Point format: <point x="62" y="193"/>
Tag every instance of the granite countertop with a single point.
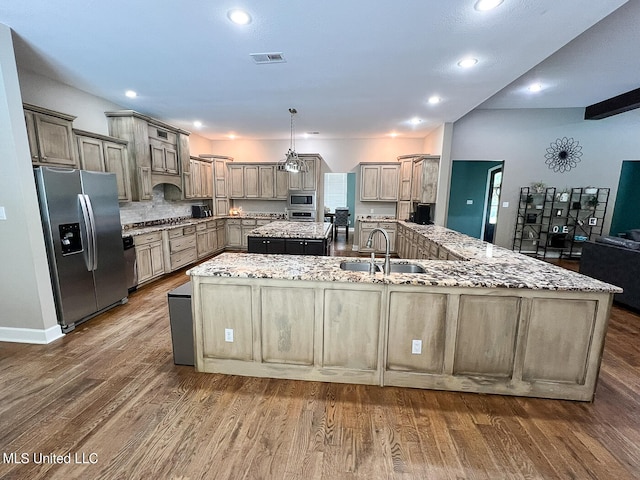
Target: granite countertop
<point x="284" y="229"/>
<point x="484" y="266"/>
<point x="166" y="224"/>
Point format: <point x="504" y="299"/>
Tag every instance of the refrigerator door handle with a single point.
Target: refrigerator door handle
<point x="94" y="235"/>
<point x="87" y="216"/>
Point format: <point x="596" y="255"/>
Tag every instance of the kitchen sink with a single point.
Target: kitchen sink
<point x="406" y="268"/>
<point x="358" y="266"/>
<point x="395" y="267"/>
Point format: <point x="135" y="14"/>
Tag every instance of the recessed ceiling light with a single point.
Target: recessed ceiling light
<point x="467" y="62"/>
<point x="535" y="87"/>
<point x="415" y="121"/>
<point x="231" y="136"/>
<point x="197" y="124"/>
<point x="484" y="5"/>
<point x="239" y="17"/>
<point x="393" y="134"/>
<point x="434" y="99"/>
<point x="131" y="94"/>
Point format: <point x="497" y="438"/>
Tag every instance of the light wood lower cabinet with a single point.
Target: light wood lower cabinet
<point x="510" y="342"/>
<point x="149" y="256"/>
<point x="351" y="329"/>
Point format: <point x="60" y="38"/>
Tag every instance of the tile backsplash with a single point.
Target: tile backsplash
<point x="157" y="209"/>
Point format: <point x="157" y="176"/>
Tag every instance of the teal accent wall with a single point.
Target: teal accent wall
<point x="626" y="214"/>
<point x="468" y="182"/>
<point x="351" y="197"/>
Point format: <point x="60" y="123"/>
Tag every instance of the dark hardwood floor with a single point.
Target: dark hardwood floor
<point x="109" y="393"/>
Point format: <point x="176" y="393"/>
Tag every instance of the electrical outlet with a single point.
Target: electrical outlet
<point x="228" y="334"/>
<point x="416" y="347"/>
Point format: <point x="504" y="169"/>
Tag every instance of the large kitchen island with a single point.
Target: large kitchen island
<point x="491" y="321"/>
<point x="292" y="238"/>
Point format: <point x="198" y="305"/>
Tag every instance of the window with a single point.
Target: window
<point x="335" y="190"/>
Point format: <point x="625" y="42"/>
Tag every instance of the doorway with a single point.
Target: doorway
<point x="491" y="205"/>
<point x="626" y="215"/>
<point x="474" y="197"/>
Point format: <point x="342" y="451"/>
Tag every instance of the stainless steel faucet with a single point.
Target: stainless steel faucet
<point x="386" y="268"/>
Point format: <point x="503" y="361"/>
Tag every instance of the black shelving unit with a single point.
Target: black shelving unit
<point x="554" y="223"/>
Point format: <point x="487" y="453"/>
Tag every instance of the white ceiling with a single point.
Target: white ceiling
<point x="354" y="69"/>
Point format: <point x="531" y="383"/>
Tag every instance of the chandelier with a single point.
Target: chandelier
<point x="292" y="162"/>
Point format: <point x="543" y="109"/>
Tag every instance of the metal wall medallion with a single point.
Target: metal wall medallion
<point x="563" y="154"/>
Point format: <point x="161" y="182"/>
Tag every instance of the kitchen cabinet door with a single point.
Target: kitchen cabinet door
<point x="294" y="246"/>
<point x="369" y="181"/>
<point x="389" y="177"/>
<point x="251" y="182"/>
<point x="116" y="161"/>
<point x="236" y="181"/>
<point x="51" y="138"/>
<point x="91" y="154"/>
<point x="416" y="316"/>
<point x="220" y="174"/>
<point x="347" y="343"/>
<point x="266" y="178"/>
<point x="234" y="235"/>
<point x="282" y="184"/>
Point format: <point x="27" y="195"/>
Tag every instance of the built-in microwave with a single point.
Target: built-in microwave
<point x="301" y="199"/>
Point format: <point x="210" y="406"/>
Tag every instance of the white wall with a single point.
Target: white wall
<point x="521" y="137"/>
<point x="28" y="310"/>
<point x="340" y="155"/>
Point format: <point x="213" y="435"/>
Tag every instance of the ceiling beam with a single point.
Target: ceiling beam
<point x="613" y="106"/>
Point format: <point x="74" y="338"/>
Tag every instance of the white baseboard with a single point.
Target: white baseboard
<point x="30" y="335"/>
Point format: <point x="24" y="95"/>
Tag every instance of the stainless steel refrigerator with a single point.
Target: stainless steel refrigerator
<point x="83" y="235"/>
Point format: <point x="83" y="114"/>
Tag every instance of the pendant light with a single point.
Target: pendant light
<point x="292" y="163"/>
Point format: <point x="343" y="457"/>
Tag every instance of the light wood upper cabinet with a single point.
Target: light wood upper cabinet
<point x="266" y="179"/>
<point x="307" y="181"/>
<point x="99" y="153"/>
<point x="164" y="157"/>
<point x="424" y="181"/>
<point x="406" y="168"/>
<point x="251" y="182"/>
<point x="379" y="182"/>
<point x="282" y="183"/>
<point x="257" y="180"/>
<point x="50" y="137"/>
<point x="158" y="153"/>
<point x="220" y="176"/>
<point x="198" y="181"/>
<point x="236" y="181"/>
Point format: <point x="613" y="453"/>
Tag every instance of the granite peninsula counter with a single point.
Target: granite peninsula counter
<point x="492" y="321"/>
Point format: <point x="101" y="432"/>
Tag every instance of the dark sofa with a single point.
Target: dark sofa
<point x="617" y="261"/>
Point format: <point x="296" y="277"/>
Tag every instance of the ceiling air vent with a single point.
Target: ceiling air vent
<point x="275" y="57"/>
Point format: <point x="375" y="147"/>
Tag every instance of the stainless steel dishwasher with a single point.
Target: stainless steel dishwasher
<point x="131" y="268"/>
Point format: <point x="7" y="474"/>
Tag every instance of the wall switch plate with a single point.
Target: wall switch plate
<point x="228" y="334"/>
<point x="416" y="347"/>
<point x="469" y="202"/>
<point x="3" y="215"/>
<point x="505" y="204"/>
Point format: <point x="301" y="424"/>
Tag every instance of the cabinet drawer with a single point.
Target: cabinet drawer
<point x="181" y="243"/>
<point x="262" y="222"/>
<point x="178" y="232"/>
<point x="442" y="254"/>
<point x="233" y="221"/>
<point x="201" y="227"/>
<point x="387" y="225"/>
<point x="212" y="225"/>
<point x="185" y="257"/>
<point x="147" y="238"/>
<point x="248" y="222"/>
